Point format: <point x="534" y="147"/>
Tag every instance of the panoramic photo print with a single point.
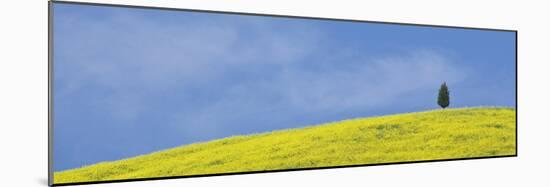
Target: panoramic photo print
<point x="141" y="93"/>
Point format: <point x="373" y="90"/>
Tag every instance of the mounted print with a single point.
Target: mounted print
<point x="140" y="93"/>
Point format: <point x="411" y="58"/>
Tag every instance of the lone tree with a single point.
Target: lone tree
<point x="443" y="98"/>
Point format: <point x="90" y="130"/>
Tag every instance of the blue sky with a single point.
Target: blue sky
<point x="132" y="81"/>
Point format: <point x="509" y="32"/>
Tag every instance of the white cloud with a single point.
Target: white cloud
<point x="372" y="83"/>
<point x="140" y="59"/>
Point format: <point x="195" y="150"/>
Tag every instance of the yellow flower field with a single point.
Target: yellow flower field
<point x="429" y="135"/>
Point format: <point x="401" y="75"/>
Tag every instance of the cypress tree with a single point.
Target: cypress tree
<point x="443" y="97"/>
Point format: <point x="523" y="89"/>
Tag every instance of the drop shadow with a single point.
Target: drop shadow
<point x="42" y="181"/>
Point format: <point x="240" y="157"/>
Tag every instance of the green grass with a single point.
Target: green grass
<point x="430" y="135"/>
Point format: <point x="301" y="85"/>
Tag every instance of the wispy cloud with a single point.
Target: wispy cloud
<point x="133" y="58"/>
<point x="254" y="64"/>
<point x="371" y="83"/>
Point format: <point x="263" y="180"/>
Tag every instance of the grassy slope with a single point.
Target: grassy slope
<point x="438" y="134"/>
